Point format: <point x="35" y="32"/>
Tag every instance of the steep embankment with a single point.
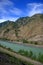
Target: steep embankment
<point x="14" y="58"/>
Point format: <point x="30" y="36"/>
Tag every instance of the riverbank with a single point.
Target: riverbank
<point x="16" y="47"/>
<point x="22" y="58"/>
<point x="27" y="44"/>
<point x="6" y="59"/>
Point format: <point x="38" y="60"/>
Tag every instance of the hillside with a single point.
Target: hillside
<point x="25" y="28"/>
<point x="6" y="59"/>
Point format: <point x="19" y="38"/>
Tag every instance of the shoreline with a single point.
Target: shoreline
<point x="26" y="44"/>
<point x="22" y="58"/>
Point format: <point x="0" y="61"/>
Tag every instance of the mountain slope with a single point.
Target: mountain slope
<point x="28" y="28"/>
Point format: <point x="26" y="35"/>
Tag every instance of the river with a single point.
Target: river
<point x="16" y="47"/>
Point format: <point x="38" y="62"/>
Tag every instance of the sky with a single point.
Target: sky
<point x="13" y="9"/>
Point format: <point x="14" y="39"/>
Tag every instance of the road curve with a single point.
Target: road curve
<point x="23" y="58"/>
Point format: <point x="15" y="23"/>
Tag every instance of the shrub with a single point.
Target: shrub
<point x="34" y="57"/>
<point x="25" y="41"/>
<point x="31" y="42"/>
<point x="35" y="42"/>
<point x="30" y="54"/>
<point x="40" y="57"/>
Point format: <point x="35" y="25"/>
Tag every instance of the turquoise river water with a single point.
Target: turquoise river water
<point x="16" y="47"/>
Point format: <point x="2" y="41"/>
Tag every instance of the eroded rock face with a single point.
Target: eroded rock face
<point x="29" y="28"/>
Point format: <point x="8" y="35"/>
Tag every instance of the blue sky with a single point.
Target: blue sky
<point x="13" y="9"/>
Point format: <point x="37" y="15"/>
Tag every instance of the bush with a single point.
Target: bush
<point x="6" y="31"/>
<point x="31" y="42"/>
<point x="35" y="42"/>
<point x="25" y="41"/>
<point x="26" y="53"/>
<point x="34" y="57"/>
<point x="30" y="54"/>
<point x="40" y="57"/>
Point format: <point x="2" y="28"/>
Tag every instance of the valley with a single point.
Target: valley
<point x="24" y="29"/>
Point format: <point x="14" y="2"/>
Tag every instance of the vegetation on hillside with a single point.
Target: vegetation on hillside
<point x="30" y="54"/>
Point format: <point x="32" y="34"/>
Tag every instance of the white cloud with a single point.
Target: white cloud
<point x="34" y="8"/>
<point x="3" y="5"/>
<point x="7" y="9"/>
<point x="11" y="19"/>
<point x="5" y="2"/>
<point x="16" y="11"/>
<point x="10" y="8"/>
<point x="12" y="12"/>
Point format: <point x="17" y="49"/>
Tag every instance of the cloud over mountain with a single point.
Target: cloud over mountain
<point x="34" y="8"/>
<point x="9" y="9"/>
